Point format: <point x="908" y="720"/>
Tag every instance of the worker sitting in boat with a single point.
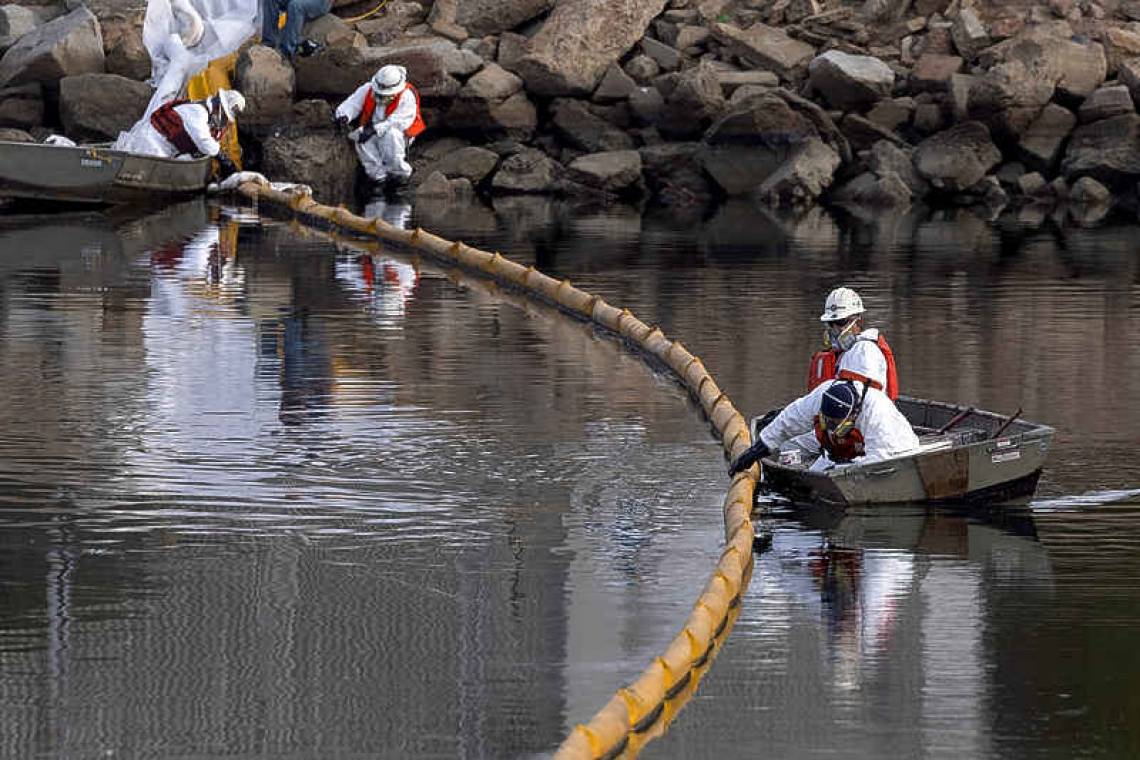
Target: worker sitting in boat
<point x="387" y="111"/>
<point x="850" y="350"/>
<point x="193" y="128"/>
<point x="842" y="421"/>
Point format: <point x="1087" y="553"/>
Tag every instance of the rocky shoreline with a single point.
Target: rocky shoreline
<point x="879" y="104"/>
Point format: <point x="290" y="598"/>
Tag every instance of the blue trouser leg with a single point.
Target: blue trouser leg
<point x="300" y="11"/>
<point x="270" y="10"/>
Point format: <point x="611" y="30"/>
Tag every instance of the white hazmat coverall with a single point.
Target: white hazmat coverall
<point x="385" y="154"/>
<point x="865" y="358"/>
<point x="196" y="122"/>
<point x="886" y="432"/>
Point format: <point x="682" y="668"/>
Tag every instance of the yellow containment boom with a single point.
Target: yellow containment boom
<point x="207" y="82"/>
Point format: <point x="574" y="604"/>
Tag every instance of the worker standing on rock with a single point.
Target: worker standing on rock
<point x="387" y="112"/>
<point x="193" y="128"/>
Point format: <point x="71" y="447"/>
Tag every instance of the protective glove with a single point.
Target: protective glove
<point x="226" y="165"/>
<point x="754" y="453"/>
<point x="366" y="133"/>
<point x="340" y="124"/>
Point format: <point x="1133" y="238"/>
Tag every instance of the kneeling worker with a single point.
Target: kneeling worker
<point x="387" y="110"/>
<point x="193" y="128"/>
<point x="844" y="421"/>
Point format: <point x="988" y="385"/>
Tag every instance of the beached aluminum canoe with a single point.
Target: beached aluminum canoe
<point x="985" y="458"/>
<point x="95" y="174"/>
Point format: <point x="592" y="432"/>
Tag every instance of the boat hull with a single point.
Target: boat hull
<point x="969" y="465"/>
<point x="94" y="174"/>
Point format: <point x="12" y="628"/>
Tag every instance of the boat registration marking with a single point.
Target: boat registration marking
<point x="1007" y="456"/>
<point x="91" y="163"/>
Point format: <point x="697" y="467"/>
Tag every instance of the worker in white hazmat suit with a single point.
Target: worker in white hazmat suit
<point x="192" y="128"/>
<point x="851" y="422"/>
<point x="387" y="112"/>
<point x="851" y="350"/>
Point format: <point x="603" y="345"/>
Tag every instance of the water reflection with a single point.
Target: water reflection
<point x="266" y="489"/>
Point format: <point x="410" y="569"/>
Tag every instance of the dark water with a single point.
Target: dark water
<point x="264" y="492"/>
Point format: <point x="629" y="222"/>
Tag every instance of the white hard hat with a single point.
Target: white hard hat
<point x="389" y="80"/>
<point x="841" y="303"/>
<point x="233" y="103"/>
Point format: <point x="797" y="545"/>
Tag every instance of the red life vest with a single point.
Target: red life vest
<point x="370" y="107"/>
<point x="823" y="365"/>
<point x="169" y="124"/>
<point x="840" y="451"/>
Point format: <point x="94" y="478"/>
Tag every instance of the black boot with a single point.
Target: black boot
<point x="309" y="47"/>
<point x="397" y="185"/>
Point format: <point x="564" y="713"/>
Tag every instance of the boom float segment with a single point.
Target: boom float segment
<point x="643" y="709"/>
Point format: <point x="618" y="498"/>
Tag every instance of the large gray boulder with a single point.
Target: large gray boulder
<point x="1054" y="55"/>
<point x="338" y="71"/>
<point x="577" y="126"/>
<point x="268" y="82"/>
<point x="317" y="158"/>
<point x="97" y="107"/>
<point x="528" y="171"/>
<point x="579" y="41"/>
<point x="493" y="101"/>
<point x="958" y="158"/>
<point x="696" y="99"/>
<point x="22" y="106"/>
<point x="123" y="47"/>
<point x="807" y="171"/>
<point x="1107" y="150"/>
<point x="15" y="22"/>
<point x="1009" y="97"/>
<point x="66" y="46"/>
<point x="1039" y="148"/>
<point x="483" y="17"/>
<point x="850" y="82"/>
<point x="614" y="172"/>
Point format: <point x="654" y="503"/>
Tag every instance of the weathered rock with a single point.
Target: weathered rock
<point x="67" y="46"/>
<point x="267" y="81"/>
<point x="767" y="48"/>
<point x="968" y="34"/>
<point x="319" y="159"/>
<point x="668" y="58"/>
<point x="435" y="186"/>
<point x="1119" y="45"/>
<point x="928" y="118"/>
<point x="850" y="82"/>
<point x="527" y="171"/>
<point x="862" y="133"/>
<point x="22" y="107"/>
<point x="1039" y="147"/>
<point x="932" y="72"/>
<point x="1105" y="103"/>
<point x="807" y="171"/>
<point x="731" y="81"/>
<point x="886" y="157"/>
<point x="892" y="114"/>
<point x="15" y="22"/>
<point x="958" y="95"/>
<point x="692" y="105"/>
<point x="1032" y="184"/>
<point x="11" y="134"/>
<point x="339" y="71"/>
<point x="472" y="162"/>
<point x="1106" y="150"/>
<point x="1087" y="191"/>
<point x="873" y="191"/>
<point x="1051" y="54"/>
<point x="579" y="41"/>
<point x="674" y="173"/>
<point x="579" y="127"/>
<point x="956" y="159"/>
<point x="690" y="37"/>
<point x="383" y="29"/>
<point x="615" y="172"/>
<point x="616" y="85"/>
<point x="483" y="17"/>
<point x="642" y="68"/>
<point x="512" y="47"/>
<point x="1009" y="97"/>
<point x="646" y="105"/>
<point x="96" y="107"/>
<point x="1128" y="72"/>
<point x="123" y="48"/>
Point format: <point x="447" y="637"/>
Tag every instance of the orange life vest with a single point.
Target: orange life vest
<point x="169" y="124"/>
<point x="370" y="107"/>
<point x="823" y="365"/>
<point x="840" y="451"/>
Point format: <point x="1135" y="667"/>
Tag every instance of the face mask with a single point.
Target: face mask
<point x="841" y="337"/>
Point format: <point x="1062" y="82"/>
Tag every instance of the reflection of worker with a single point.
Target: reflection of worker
<point x="192" y="128"/>
<point x="850" y="351"/>
<point x="395" y="214"/>
<point x="852" y="422"/>
<point x="387" y="110"/>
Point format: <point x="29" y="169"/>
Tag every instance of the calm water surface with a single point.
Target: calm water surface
<point x="266" y="492"/>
